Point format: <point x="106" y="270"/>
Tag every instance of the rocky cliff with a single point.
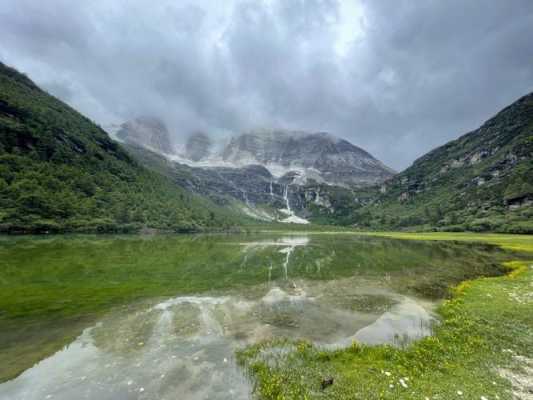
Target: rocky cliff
<point x="286" y="175"/>
<point x="148" y="132"/>
<point x="320" y="157"/>
<point x="198" y="147"/>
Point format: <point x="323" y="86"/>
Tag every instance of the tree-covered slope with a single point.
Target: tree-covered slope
<point x="61" y="172"/>
<point x="482" y="181"/>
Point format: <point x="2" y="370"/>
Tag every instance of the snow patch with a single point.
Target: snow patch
<point x="257" y="213"/>
<point x="294" y="219"/>
<point x="303" y="174"/>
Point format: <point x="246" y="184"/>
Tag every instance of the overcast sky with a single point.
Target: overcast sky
<point x="394" y="77"/>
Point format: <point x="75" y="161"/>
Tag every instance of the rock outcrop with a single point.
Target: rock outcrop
<point x="320" y="157"/>
<point x="147" y="132"/>
<point x="198" y="147"/>
<point x="292" y="174"/>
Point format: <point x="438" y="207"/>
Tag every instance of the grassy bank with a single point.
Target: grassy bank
<point x="521" y="243"/>
<point x="483" y="348"/>
<point x="514" y="242"/>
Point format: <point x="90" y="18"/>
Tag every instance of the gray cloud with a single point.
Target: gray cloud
<point x="397" y="78"/>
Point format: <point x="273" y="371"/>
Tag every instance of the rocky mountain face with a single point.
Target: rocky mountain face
<point x="255" y="191"/>
<point x="312" y="156"/>
<point x="148" y="132"/>
<point x="275" y="175"/>
<point x="481" y="181"/>
<point x="198" y="147"/>
<point x="304" y="157"/>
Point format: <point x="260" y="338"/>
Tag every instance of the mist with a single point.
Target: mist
<point x="395" y="78"/>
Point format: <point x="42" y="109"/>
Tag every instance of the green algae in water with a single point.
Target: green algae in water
<point x="229" y="291"/>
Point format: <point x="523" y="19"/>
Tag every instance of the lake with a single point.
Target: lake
<point x="160" y="317"/>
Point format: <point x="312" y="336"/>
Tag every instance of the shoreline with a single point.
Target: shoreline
<point x="323" y="362"/>
<point x="472" y="354"/>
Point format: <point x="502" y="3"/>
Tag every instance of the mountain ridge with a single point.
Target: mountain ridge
<point x="147" y="131"/>
<point x="318" y="156"/>
<point x="337" y="161"/>
<point x="475" y="182"/>
<point x="60" y="172"/>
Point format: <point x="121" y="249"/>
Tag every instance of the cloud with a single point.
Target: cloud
<point x="395" y="78"/>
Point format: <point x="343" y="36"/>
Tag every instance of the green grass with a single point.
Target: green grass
<point x="484" y="327"/>
<point x="506" y="241"/>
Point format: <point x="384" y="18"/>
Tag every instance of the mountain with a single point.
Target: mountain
<point x="198" y="147"/>
<point x="61" y="172"/>
<point x="317" y="156"/>
<point x="254" y="191"/>
<point x="272" y="175"/>
<point x="148" y="132"/>
<point x="482" y="181"/>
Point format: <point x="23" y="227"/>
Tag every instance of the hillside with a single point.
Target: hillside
<point x="61" y="172"/>
<point x="483" y="181"/>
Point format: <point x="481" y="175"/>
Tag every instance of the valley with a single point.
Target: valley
<point x="480" y="182"/>
<point x="223" y="222"/>
<point x="62" y="173"/>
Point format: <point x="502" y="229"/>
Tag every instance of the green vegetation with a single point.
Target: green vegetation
<point x="481" y="182"/>
<point x="53" y="286"/>
<point x="60" y="172"/>
<point x="517" y="243"/>
<point x="486" y="335"/>
<point x="344" y="203"/>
